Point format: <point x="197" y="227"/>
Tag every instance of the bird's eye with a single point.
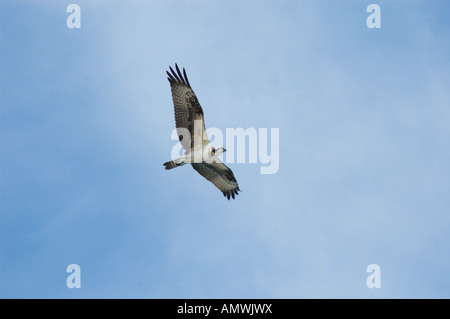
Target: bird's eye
<point x="213" y="151"/>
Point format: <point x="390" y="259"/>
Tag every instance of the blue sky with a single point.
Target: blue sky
<point x="85" y="123"/>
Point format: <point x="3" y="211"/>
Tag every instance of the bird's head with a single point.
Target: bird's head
<point x="217" y="151"/>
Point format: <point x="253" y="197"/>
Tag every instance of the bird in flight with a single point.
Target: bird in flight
<point x="190" y="125"/>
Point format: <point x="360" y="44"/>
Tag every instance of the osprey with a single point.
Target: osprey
<point x="198" y="151"/>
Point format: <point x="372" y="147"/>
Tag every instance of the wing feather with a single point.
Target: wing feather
<point x="187" y="109"/>
<point x="220" y="175"/>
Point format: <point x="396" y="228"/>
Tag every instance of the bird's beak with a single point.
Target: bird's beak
<point x="224" y="150"/>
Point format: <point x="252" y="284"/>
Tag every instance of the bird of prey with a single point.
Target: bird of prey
<point x="190" y="126"/>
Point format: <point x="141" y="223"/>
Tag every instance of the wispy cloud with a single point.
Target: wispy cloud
<point x="86" y="120"/>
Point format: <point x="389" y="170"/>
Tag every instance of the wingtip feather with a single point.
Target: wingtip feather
<point x="177" y="76"/>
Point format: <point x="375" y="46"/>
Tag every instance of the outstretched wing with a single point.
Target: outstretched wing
<point x="220" y="175"/>
<point x="188" y="112"/>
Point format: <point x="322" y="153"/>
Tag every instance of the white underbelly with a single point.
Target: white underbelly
<point x="199" y="156"/>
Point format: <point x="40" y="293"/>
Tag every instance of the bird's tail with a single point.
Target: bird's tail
<point x="171" y="164"/>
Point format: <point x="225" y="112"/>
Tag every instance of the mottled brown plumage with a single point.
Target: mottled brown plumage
<point x="188" y="111"/>
<point x="190" y="126"/>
